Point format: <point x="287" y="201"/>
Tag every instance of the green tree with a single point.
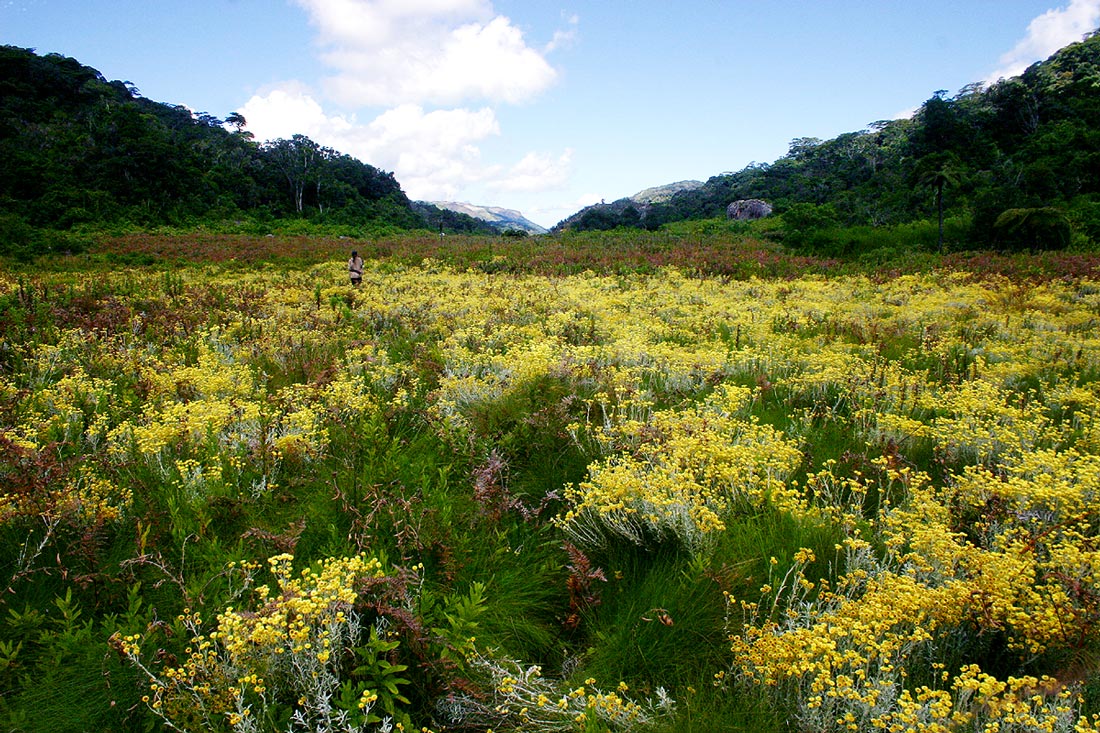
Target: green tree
<point x="237" y="120"/>
<point x="631" y="217"/>
<point x="804" y="223"/>
<point x="299" y="159"/>
<point x="1039" y="229"/>
<point x="937" y="171"/>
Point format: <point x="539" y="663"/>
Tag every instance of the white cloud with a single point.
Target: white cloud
<point x="536" y="172"/>
<point x="433" y="154"/>
<point x="374" y="23"/>
<point x="391" y="52"/>
<point x="565" y="37"/>
<point x="1047" y="33"/>
<point x="288" y="110"/>
<point x="905" y="114"/>
<point x="405" y="55"/>
<point x="587" y="199"/>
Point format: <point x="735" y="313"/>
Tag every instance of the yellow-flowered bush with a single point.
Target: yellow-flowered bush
<point x="524" y="699"/>
<point x="840" y="658"/>
<point x="678" y="475"/>
<point x="963" y="410"/>
<point x="292" y="647"/>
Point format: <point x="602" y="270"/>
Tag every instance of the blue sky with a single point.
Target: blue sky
<point x="546" y="107"/>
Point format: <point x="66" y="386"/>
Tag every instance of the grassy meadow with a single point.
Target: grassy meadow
<point x="643" y="482"/>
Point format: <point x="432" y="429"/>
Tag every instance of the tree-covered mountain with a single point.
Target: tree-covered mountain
<point x="1015" y="163"/>
<point x="629" y="211"/>
<point x="78" y="149"/>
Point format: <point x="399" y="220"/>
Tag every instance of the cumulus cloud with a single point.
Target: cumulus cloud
<point x="289" y="109"/>
<point x="433" y="153"/>
<point x="417" y="145"/>
<point x="536" y="172"/>
<point x="391" y="52"/>
<point x="1047" y="33"/>
<point x="423" y="62"/>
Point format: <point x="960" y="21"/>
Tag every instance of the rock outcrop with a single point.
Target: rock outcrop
<point x="748" y="209"/>
<point x="660" y="194"/>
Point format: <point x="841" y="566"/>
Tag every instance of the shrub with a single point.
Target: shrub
<point x="801" y="219"/>
<point x="15" y="236"/>
<point x="1084" y="214"/>
<point x="1032" y="229"/>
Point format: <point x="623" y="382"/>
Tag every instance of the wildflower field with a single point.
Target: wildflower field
<point x="601" y="495"/>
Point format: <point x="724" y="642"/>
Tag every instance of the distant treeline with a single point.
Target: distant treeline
<point x="1004" y="161"/>
<point x="1013" y="165"/>
<point x="76" y="149"/>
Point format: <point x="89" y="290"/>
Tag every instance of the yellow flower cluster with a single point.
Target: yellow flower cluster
<point x="301" y="612"/>
<point x="289" y="648"/>
<point x="526" y="700"/>
<point x="978" y="701"/>
<point x="214" y="407"/>
<point x="841" y="656"/>
<point x="679" y="474"/>
<point x="989" y="385"/>
<point x="85" y="499"/>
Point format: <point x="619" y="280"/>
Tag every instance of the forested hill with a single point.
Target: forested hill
<point x="1016" y="163"/>
<point x="1022" y="144"/>
<point x="76" y="149"/>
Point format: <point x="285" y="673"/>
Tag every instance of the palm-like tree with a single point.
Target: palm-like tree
<point x="237" y="120"/>
<point x="938" y="171"/>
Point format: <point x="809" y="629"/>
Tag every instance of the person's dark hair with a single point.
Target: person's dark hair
<point x="354" y="253"/>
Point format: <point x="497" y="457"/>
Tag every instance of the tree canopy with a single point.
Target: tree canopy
<point x="76" y="148"/>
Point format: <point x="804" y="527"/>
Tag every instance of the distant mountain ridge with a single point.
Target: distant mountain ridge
<point x="497" y="217"/>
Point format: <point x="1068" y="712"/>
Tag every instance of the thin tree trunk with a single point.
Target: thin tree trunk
<point x="939" y="209"/>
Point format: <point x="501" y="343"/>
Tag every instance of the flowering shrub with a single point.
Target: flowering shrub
<point x="840" y="658"/>
<point x="841" y="655"/>
<point x="677" y="475"/>
<point x="525" y="699"/>
<point x="944" y="426"/>
<point x="291" y="655"/>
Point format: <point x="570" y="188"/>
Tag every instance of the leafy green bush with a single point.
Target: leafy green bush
<point x="1084" y="215"/>
<point x="697" y="227"/>
<point x="21" y="241"/>
<point x="15" y="236"/>
<point x="802" y="219"/>
<point x="873" y="244"/>
<point x="1039" y="229"/>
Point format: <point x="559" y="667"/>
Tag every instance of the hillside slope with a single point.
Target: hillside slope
<point x="78" y="149"/>
<point x="1022" y="144"/>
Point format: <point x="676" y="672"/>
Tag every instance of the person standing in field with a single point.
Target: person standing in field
<point x="355" y="268"/>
